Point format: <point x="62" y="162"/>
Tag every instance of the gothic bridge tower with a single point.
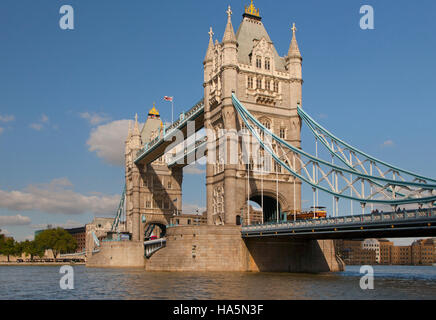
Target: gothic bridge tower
<point x="154" y="191"/>
<point x="269" y="86"/>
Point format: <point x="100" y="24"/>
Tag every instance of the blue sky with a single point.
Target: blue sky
<point x="65" y="94"/>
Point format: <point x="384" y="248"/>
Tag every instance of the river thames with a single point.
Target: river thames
<point x="42" y="282"/>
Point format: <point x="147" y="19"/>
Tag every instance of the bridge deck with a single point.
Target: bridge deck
<point x="411" y="223"/>
<point x="189" y="154"/>
<point x="156" y="148"/>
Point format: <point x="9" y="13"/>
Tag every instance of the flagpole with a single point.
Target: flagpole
<point x="172" y="110"/>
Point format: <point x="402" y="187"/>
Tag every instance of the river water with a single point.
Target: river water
<point x="42" y="282"/>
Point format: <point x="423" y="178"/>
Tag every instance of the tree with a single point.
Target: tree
<point x="2" y="243"/>
<point x="18" y="249"/>
<point x="58" y="240"/>
<point x="8" y="247"/>
<point x="33" y="248"/>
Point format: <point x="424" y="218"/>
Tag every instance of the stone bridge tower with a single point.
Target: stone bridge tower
<point x="154" y="191"/>
<point x="269" y="86"/>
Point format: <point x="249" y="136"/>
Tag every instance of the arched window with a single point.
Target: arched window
<point x="266" y="123"/>
<point x="259" y="83"/>
<point x="258" y="62"/>
<point x="267" y="84"/>
<point x="267" y="64"/>
<point x="250" y="82"/>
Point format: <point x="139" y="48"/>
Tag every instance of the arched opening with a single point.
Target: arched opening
<point x="271" y="208"/>
<point x="238" y="220"/>
<point x="154" y="230"/>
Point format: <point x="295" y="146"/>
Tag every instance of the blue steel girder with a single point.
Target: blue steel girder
<point x="410" y="223"/>
<point x="157" y="147"/>
<point x="383" y="190"/>
<point x="346" y="153"/>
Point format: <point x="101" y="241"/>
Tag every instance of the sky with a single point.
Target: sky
<point x="66" y="95"/>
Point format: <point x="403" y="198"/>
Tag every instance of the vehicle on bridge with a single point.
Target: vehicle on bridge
<point x="312" y="213"/>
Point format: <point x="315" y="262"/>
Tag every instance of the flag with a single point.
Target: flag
<point x="168" y="98"/>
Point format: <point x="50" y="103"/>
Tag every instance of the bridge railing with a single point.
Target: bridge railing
<point x="357" y="219"/>
<point x="184" y="117"/>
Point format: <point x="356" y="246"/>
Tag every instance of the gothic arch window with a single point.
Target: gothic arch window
<point x="259" y="83"/>
<point x="267" y="64"/>
<point x="250" y="82"/>
<point x="267" y="84"/>
<point x="276" y="86"/>
<point x="266" y="123"/>
<point x="258" y="62"/>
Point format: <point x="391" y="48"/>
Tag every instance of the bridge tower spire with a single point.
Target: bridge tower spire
<point x="293" y="64"/>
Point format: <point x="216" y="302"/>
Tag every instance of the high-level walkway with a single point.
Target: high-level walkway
<point x="157" y="147"/>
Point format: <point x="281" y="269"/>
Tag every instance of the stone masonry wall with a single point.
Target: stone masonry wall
<point x="118" y="254"/>
<point x="200" y="248"/>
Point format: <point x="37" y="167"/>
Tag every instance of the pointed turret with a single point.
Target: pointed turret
<point x="229" y="34"/>
<point x="294" y="51"/>
<point x="136" y="135"/>
<point x="209" y="52"/>
<point x="136" y="127"/>
<point x="127" y="142"/>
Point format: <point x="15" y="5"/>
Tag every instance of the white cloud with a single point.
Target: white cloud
<point x="107" y="141"/>
<point x="94" y="118"/>
<point x="1" y="130"/>
<point x="189" y="208"/>
<point x="5" y="232"/>
<point x="67" y="225"/>
<point x="17" y="220"/>
<point x="38" y="126"/>
<point x="7" y="118"/>
<point x="57" y="197"/>
<point x="388" y="143"/>
<point x="193" y="168"/>
<point x="404" y="241"/>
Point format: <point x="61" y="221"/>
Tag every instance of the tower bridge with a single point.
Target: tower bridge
<point x="252" y="114"/>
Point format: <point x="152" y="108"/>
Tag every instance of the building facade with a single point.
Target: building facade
<point x="382" y="251"/>
<point x="79" y="234"/>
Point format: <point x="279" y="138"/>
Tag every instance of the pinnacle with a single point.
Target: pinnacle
<point x="294" y="51"/>
<point x="229" y="34"/>
<point x="209" y="51"/>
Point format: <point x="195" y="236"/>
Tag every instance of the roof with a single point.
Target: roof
<point x="153" y="111"/>
<point x="248" y="31"/>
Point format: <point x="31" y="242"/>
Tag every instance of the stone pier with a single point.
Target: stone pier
<point x="221" y="248"/>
